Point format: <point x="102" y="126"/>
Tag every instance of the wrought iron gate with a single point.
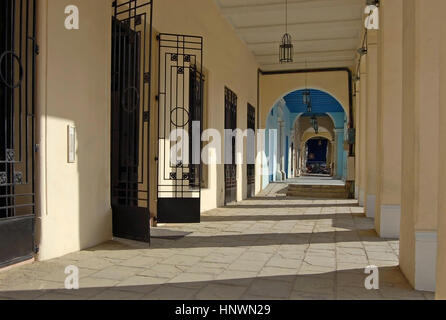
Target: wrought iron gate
<point x="251" y="168"/>
<point x="180" y="112"/>
<point x="17" y="146"/>
<point x="231" y="169"/>
<point x="130" y="107"/>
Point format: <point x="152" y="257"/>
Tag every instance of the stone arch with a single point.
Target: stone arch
<point x="277" y="86"/>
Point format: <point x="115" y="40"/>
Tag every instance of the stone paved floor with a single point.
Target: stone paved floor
<point x="267" y="248"/>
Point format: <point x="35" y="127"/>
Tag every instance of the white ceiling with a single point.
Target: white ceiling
<point x="326" y="33"/>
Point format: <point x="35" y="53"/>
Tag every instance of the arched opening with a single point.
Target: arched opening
<point x="291" y="124"/>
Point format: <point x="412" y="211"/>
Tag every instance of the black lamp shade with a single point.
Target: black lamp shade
<point x="286" y="49"/>
<point x="306" y="97"/>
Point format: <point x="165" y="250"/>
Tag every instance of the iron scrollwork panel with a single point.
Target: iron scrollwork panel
<point x="130" y="115"/>
<point x="17" y="86"/>
<point x="231" y="169"/>
<point x="180" y="102"/>
<point x="18" y="51"/>
<point x="250" y="166"/>
<point x="131" y="52"/>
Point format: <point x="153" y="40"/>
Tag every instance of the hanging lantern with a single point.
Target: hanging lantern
<point x="306" y="96"/>
<point x="286" y="49"/>
<point x="286" y="45"/>
<point x="309" y="107"/>
<point x="315" y="124"/>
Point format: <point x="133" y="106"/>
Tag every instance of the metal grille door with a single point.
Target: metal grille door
<point x="231" y="169"/>
<point x="17" y="146"/>
<point x="130" y="103"/>
<point x="251" y="168"/>
<point x="180" y="112"/>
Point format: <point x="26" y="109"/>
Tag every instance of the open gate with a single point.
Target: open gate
<point x="231" y="169"/>
<point x="250" y="167"/>
<point x="17" y="145"/>
<point x="180" y="118"/>
<point x="130" y="106"/>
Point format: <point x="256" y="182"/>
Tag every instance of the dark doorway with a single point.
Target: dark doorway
<point x="17" y="122"/>
<point x="130" y="106"/>
<point x="250" y="167"/>
<point x="180" y="118"/>
<point x="231" y="169"/>
<point x="317" y="156"/>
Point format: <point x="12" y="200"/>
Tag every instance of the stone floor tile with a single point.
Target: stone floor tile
<point x="219" y="291"/>
<point x="115" y="294"/>
<point x="116" y="273"/>
<point x="278" y="273"/>
<point x="191" y="280"/>
<point x="169" y="292"/>
<point x="140" y="262"/>
<point x="301" y="295"/>
<point x="270" y="288"/>
<point x="314" y="285"/>
<point x="357" y="293"/>
<point x="182" y="260"/>
<point x="140" y="284"/>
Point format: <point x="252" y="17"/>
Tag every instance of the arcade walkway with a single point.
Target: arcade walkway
<point x="266" y="248"/>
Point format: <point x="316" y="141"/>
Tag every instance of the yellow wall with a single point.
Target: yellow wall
<point x="73" y="88"/>
<point x="228" y="63"/>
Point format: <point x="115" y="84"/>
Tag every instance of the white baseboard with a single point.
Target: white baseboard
<point x="361" y="197"/>
<point x="371" y="203"/>
<point x="425" y="260"/>
<point x="390" y="221"/>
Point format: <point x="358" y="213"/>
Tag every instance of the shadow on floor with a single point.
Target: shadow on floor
<point x="253" y="240"/>
<point x="341" y="285"/>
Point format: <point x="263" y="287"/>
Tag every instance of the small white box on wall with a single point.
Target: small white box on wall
<point x="71" y="144"/>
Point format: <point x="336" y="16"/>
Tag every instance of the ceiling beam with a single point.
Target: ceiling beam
<point x="344" y="54"/>
<point x="303" y="66"/>
<point x="292" y="6"/>
<point x="269" y="48"/>
<point x="302" y="27"/>
<point x="303" y="41"/>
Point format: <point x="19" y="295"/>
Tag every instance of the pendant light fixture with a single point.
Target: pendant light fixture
<point x="315" y="124"/>
<point x="286" y="46"/>
<point x="306" y="96"/>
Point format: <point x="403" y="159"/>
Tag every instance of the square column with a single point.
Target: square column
<point x="420" y="162"/>
<point x="339" y="142"/>
<point x="372" y="122"/>
<point x="441" y="252"/>
<point x="357" y="139"/>
<point x="389" y="144"/>
<point x="363" y="132"/>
